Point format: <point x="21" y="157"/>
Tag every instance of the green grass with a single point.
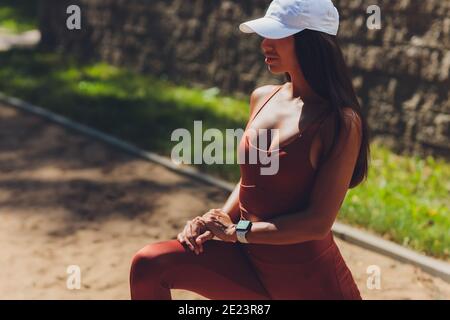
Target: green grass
<point x="18" y="15"/>
<point x="405" y="199"/>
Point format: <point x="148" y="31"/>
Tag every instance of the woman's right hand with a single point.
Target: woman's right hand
<point x="194" y="234"/>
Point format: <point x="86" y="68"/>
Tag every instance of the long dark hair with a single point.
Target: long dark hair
<point x="324" y="68"/>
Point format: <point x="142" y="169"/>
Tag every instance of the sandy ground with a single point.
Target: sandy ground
<point x="66" y="200"/>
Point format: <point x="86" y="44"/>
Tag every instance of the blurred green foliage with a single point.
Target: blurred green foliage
<point x="18" y="15"/>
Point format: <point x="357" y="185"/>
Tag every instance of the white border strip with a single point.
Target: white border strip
<point x="361" y="238"/>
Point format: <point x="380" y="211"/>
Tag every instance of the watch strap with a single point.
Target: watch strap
<point x="241" y="236"/>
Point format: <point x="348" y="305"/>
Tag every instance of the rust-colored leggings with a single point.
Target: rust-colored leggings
<point x="225" y="271"/>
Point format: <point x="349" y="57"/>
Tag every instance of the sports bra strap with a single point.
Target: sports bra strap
<point x="258" y="108"/>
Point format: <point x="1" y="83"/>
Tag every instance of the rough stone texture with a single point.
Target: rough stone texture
<point x="401" y="72"/>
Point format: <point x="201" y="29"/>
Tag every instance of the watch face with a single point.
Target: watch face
<point x="243" y="225"/>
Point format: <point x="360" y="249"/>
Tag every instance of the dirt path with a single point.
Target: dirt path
<point x="66" y="200"/>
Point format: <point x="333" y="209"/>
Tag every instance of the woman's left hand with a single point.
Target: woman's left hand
<point x="220" y="224"/>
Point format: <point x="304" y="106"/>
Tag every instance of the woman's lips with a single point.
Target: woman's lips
<point x="270" y="59"/>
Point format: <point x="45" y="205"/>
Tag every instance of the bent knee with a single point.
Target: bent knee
<point x="152" y="259"/>
<point x="144" y="263"/>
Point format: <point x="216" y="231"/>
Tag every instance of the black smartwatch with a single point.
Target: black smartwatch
<point x="242" y="227"/>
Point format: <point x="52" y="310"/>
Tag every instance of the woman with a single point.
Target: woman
<point x="288" y="250"/>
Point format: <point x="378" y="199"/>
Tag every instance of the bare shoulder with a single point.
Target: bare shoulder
<point x="351" y="124"/>
<point x="351" y="119"/>
<point x="350" y="113"/>
<point x="259" y="93"/>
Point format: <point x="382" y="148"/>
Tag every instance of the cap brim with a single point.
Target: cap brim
<point x="268" y="28"/>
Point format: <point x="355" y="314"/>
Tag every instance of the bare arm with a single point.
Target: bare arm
<point x="231" y="206"/>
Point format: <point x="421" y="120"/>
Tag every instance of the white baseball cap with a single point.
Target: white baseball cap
<point x="286" y="17"/>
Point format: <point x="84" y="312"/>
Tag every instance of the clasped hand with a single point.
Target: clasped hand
<point x="214" y="223"/>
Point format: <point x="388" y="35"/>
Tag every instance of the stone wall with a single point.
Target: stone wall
<point x="401" y="72"/>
